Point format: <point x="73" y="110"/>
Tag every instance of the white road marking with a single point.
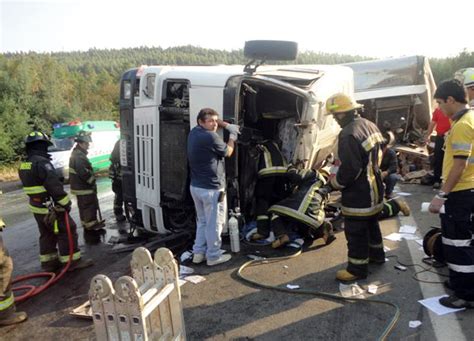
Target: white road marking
<point x="445" y="327"/>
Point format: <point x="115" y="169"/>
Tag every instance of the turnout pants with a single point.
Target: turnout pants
<point x="7" y="302"/>
<point x="364" y="243"/>
<point x="457" y="228"/>
<point x="284" y="225"/>
<point x="54" y="242"/>
<point x="390" y="209"/>
<point x="88" y="206"/>
<point x="269" y="191"/>
<point x="118" y="199"/>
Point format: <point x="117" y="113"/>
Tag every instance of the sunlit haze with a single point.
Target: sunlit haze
<point x="364" y="27"/>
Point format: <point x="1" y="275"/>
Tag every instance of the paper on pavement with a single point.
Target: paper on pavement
<point x="195" y="279"/>
<point x="434" y="305"/>
<point x="407" y="229"/>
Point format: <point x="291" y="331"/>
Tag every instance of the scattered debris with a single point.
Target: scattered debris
<point x="400" y="267"/>
<point x="253" y="257"/>
<point x="185" y="270"/>
<point x="292" y="286"/>
<point x="351" y="290"/>
<point x="433" y="304"/>
<point x="403" y="194"/>
<point x="372" y="289"/>
<point x="415" y="175"/>
<point x="186" y="255"/>
<point x="414" y="324"/>
<point x="407" y="229"/>
<point x="195" y="279"/>
<point x="83" y="311"/>
<point x="396" y="237"/>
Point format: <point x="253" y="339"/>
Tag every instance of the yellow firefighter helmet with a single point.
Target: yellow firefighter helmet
<point x="340" y="103"/>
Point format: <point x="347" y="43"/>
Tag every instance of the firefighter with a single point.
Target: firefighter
<point x="468" y="80"/>
<point x="271" y="185"/>
<point x="49" y="204"/>
<point x="303" y="211"/>
<point x="360" y="181"/>
<point x="8" y="313"/>
<point x="83" y="185"/>
<point x="115" y="173"/>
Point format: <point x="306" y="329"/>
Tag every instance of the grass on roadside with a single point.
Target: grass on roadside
<point x="9" y="172"/>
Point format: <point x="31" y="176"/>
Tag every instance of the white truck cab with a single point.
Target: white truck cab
<point x="159" y="105"/>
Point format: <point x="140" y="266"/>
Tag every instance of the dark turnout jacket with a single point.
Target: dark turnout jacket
<point x="41" y="183"/>
<point x="359" y="177"/>
<point x="81" y="175"/>
<point x="305" y="204"/>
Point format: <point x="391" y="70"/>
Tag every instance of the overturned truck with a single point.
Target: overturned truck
<point x="159" y="105"/>
<point x="397" y="94"/>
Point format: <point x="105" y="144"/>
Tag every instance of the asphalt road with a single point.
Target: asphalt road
<point x="224" y="308"/>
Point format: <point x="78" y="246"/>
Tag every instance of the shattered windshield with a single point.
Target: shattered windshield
<point x="61" y="144"/>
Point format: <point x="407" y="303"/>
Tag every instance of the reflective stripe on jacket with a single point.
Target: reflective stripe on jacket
<point x="359" y="177"/>
<point x="271" y="162"/>
<point x="41" y="183"/>
<point x="305" y="204"/>
<point x="81" y="175"/>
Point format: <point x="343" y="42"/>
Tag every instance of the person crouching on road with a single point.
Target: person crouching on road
<point x="457" y="194"/>
<point x="206" y="151"/>
<point x="83" y="185"/>
<point x="43" y="186"/>
<point x="360" y="181"/>
<point x="303" y="211"/>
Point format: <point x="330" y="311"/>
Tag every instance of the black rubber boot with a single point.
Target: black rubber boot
<point x="80" y="264"/>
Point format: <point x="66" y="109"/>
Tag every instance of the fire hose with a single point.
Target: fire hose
<point x="32" y="290"/>
<point x="388" y="327"/>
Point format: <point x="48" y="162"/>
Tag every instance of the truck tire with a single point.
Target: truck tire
<point x="271" y="49"/>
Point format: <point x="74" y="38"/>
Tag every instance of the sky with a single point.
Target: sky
<point x="372" y="28"/>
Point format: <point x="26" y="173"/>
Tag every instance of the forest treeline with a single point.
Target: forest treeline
<point x="39" y="89"/>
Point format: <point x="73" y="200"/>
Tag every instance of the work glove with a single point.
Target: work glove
<point x="233" y="136"/>
<point x="50" y="218"/>
<point x="324" y="191"/>
<point x="233" y="129"/>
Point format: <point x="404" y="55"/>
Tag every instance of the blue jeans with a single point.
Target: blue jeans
<point x="390" y="181"/>
<point x="210" y="219"/>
